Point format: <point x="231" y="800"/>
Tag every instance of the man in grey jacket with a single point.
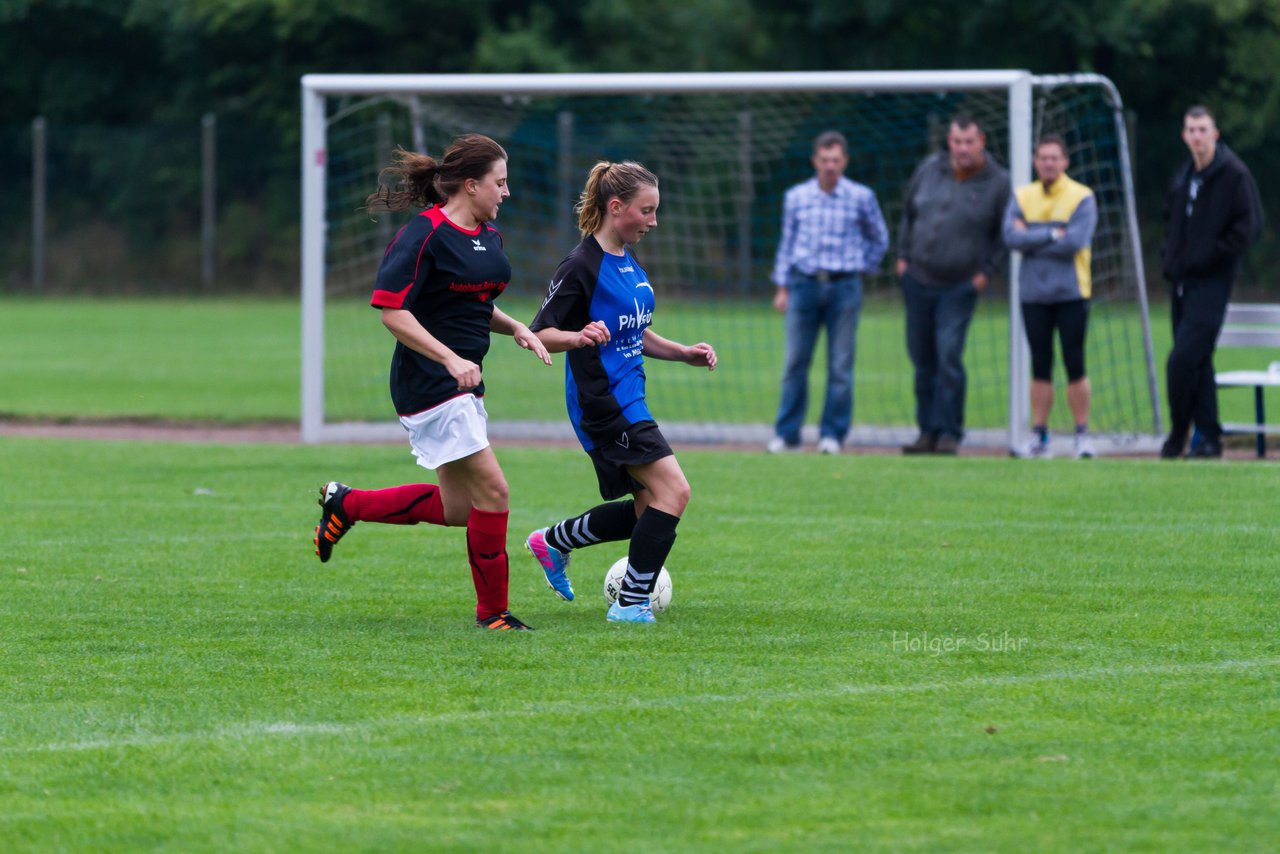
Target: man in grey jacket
<point x="949" y="247"/>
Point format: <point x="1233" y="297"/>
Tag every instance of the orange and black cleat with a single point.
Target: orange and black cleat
<point x="333" y="518"/>
<point x="504" y="622"/>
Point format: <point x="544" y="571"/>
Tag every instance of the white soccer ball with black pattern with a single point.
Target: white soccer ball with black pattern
<point x="661" y="597"/>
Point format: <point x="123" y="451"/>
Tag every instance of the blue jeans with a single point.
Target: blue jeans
<point x="812" y="304"/>
<point x="937" y="322"/>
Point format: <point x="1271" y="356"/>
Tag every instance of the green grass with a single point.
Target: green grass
<point x="221" y="360"/>
<point x="237" y="360"/>
<point x="744" y="388"/>
<point x="179" y="673"/>
<point x="748" y="337"/>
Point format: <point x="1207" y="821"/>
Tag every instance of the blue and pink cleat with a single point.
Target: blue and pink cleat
<point x="554" y="563"/>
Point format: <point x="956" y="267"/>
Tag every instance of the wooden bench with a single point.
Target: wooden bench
<point x="1252" y="325"/>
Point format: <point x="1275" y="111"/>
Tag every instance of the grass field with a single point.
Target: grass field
<point x="863" y="653"/>
<point x="237" y="360"/>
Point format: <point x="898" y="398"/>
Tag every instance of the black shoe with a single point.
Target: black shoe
<point x="504" y="622"/>
<point x="1207" y="450"/>
<point x="333" y="518"/>
<point x="1171" y="450"/>
<point x="924" y="444"/>
<point x="947" y="446"/>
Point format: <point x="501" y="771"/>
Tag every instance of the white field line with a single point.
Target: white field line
<point x="287" y="729"/>
<point x="1092" y="527"/>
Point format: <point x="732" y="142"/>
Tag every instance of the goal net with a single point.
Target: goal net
<point x="726" y="148"/>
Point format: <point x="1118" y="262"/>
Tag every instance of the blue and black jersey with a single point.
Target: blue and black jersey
<point x="448" y="277"/>
<point x="603" y="386"/>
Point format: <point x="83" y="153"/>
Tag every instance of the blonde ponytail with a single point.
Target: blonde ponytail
<point x="609" y="181"/>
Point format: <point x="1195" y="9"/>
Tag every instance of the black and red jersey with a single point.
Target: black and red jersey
<point x="448" y="277"/>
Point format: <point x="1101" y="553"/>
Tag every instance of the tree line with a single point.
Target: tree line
<point x="135" y="62"/>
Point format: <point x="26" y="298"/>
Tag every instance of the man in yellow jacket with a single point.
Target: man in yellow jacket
<point x="1051" y="222"/>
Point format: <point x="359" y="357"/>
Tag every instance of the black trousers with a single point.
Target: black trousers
<point x="1071" y="318"/>
<point x="1198" y="309"/>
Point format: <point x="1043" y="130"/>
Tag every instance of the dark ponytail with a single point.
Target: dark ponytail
<point x="419" y="181"/>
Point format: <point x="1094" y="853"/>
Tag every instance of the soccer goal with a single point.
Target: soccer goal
<point x="726" y="147"/>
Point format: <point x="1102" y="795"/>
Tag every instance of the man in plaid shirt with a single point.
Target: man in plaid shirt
<point x="832" y="233"/>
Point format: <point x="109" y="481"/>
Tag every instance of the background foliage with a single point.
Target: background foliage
<point x="95" y="65"/>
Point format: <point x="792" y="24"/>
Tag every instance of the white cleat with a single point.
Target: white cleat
<point x="778" y="446"/>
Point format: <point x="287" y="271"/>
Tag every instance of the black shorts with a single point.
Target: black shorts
<point x="639" y="444"/>
<point x="1071" y="319"/>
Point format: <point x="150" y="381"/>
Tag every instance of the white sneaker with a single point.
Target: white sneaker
<point x="828" y="445"/>
<point x="1036" y="450"/>
<point x="778" y="446"/>
<point x="1084" y="447"/>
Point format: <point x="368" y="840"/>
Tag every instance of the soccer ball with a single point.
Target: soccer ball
<point x="661" y="597"/>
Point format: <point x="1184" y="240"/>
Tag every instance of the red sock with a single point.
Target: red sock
<point x="487" y="551"/>
<point x="399" y="505"/>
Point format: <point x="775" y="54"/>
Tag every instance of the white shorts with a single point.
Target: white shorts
<point x="455" y="429"/>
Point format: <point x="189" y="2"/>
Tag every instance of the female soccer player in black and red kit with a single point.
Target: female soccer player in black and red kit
<point x="436" y="288"/>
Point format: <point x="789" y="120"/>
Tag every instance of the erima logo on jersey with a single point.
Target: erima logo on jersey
<point x="627" y="269"/>
<point x="551" y="291"/>
<point x="477" y="247"/>
<point x="635" y="321"/>
<point x="624" y="440"/>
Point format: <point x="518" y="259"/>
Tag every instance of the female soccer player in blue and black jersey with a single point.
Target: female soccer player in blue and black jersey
<point x="435" y="289"/>
<point x="598" y="309"/>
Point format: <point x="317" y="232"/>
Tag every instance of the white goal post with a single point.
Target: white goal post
<point x="329" y="99"/>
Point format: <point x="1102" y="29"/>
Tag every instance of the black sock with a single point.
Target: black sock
<point x="606" y="523"/>
<point x="650" y="544"/>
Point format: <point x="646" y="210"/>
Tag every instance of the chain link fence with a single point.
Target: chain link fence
<point x="199" y="207"/>
<point x="128" y="210"/>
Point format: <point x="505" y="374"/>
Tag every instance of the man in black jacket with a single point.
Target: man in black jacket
<point x="1212" y="215"/>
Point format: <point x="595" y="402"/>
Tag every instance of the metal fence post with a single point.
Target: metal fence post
<point x="209" y="206"/>
<point x="419" y="132"/>
<point x="566" y="224"/>
<point x="746" y="198"/>
<point x="39" y="206"/>
<point x="381" y="157"/>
